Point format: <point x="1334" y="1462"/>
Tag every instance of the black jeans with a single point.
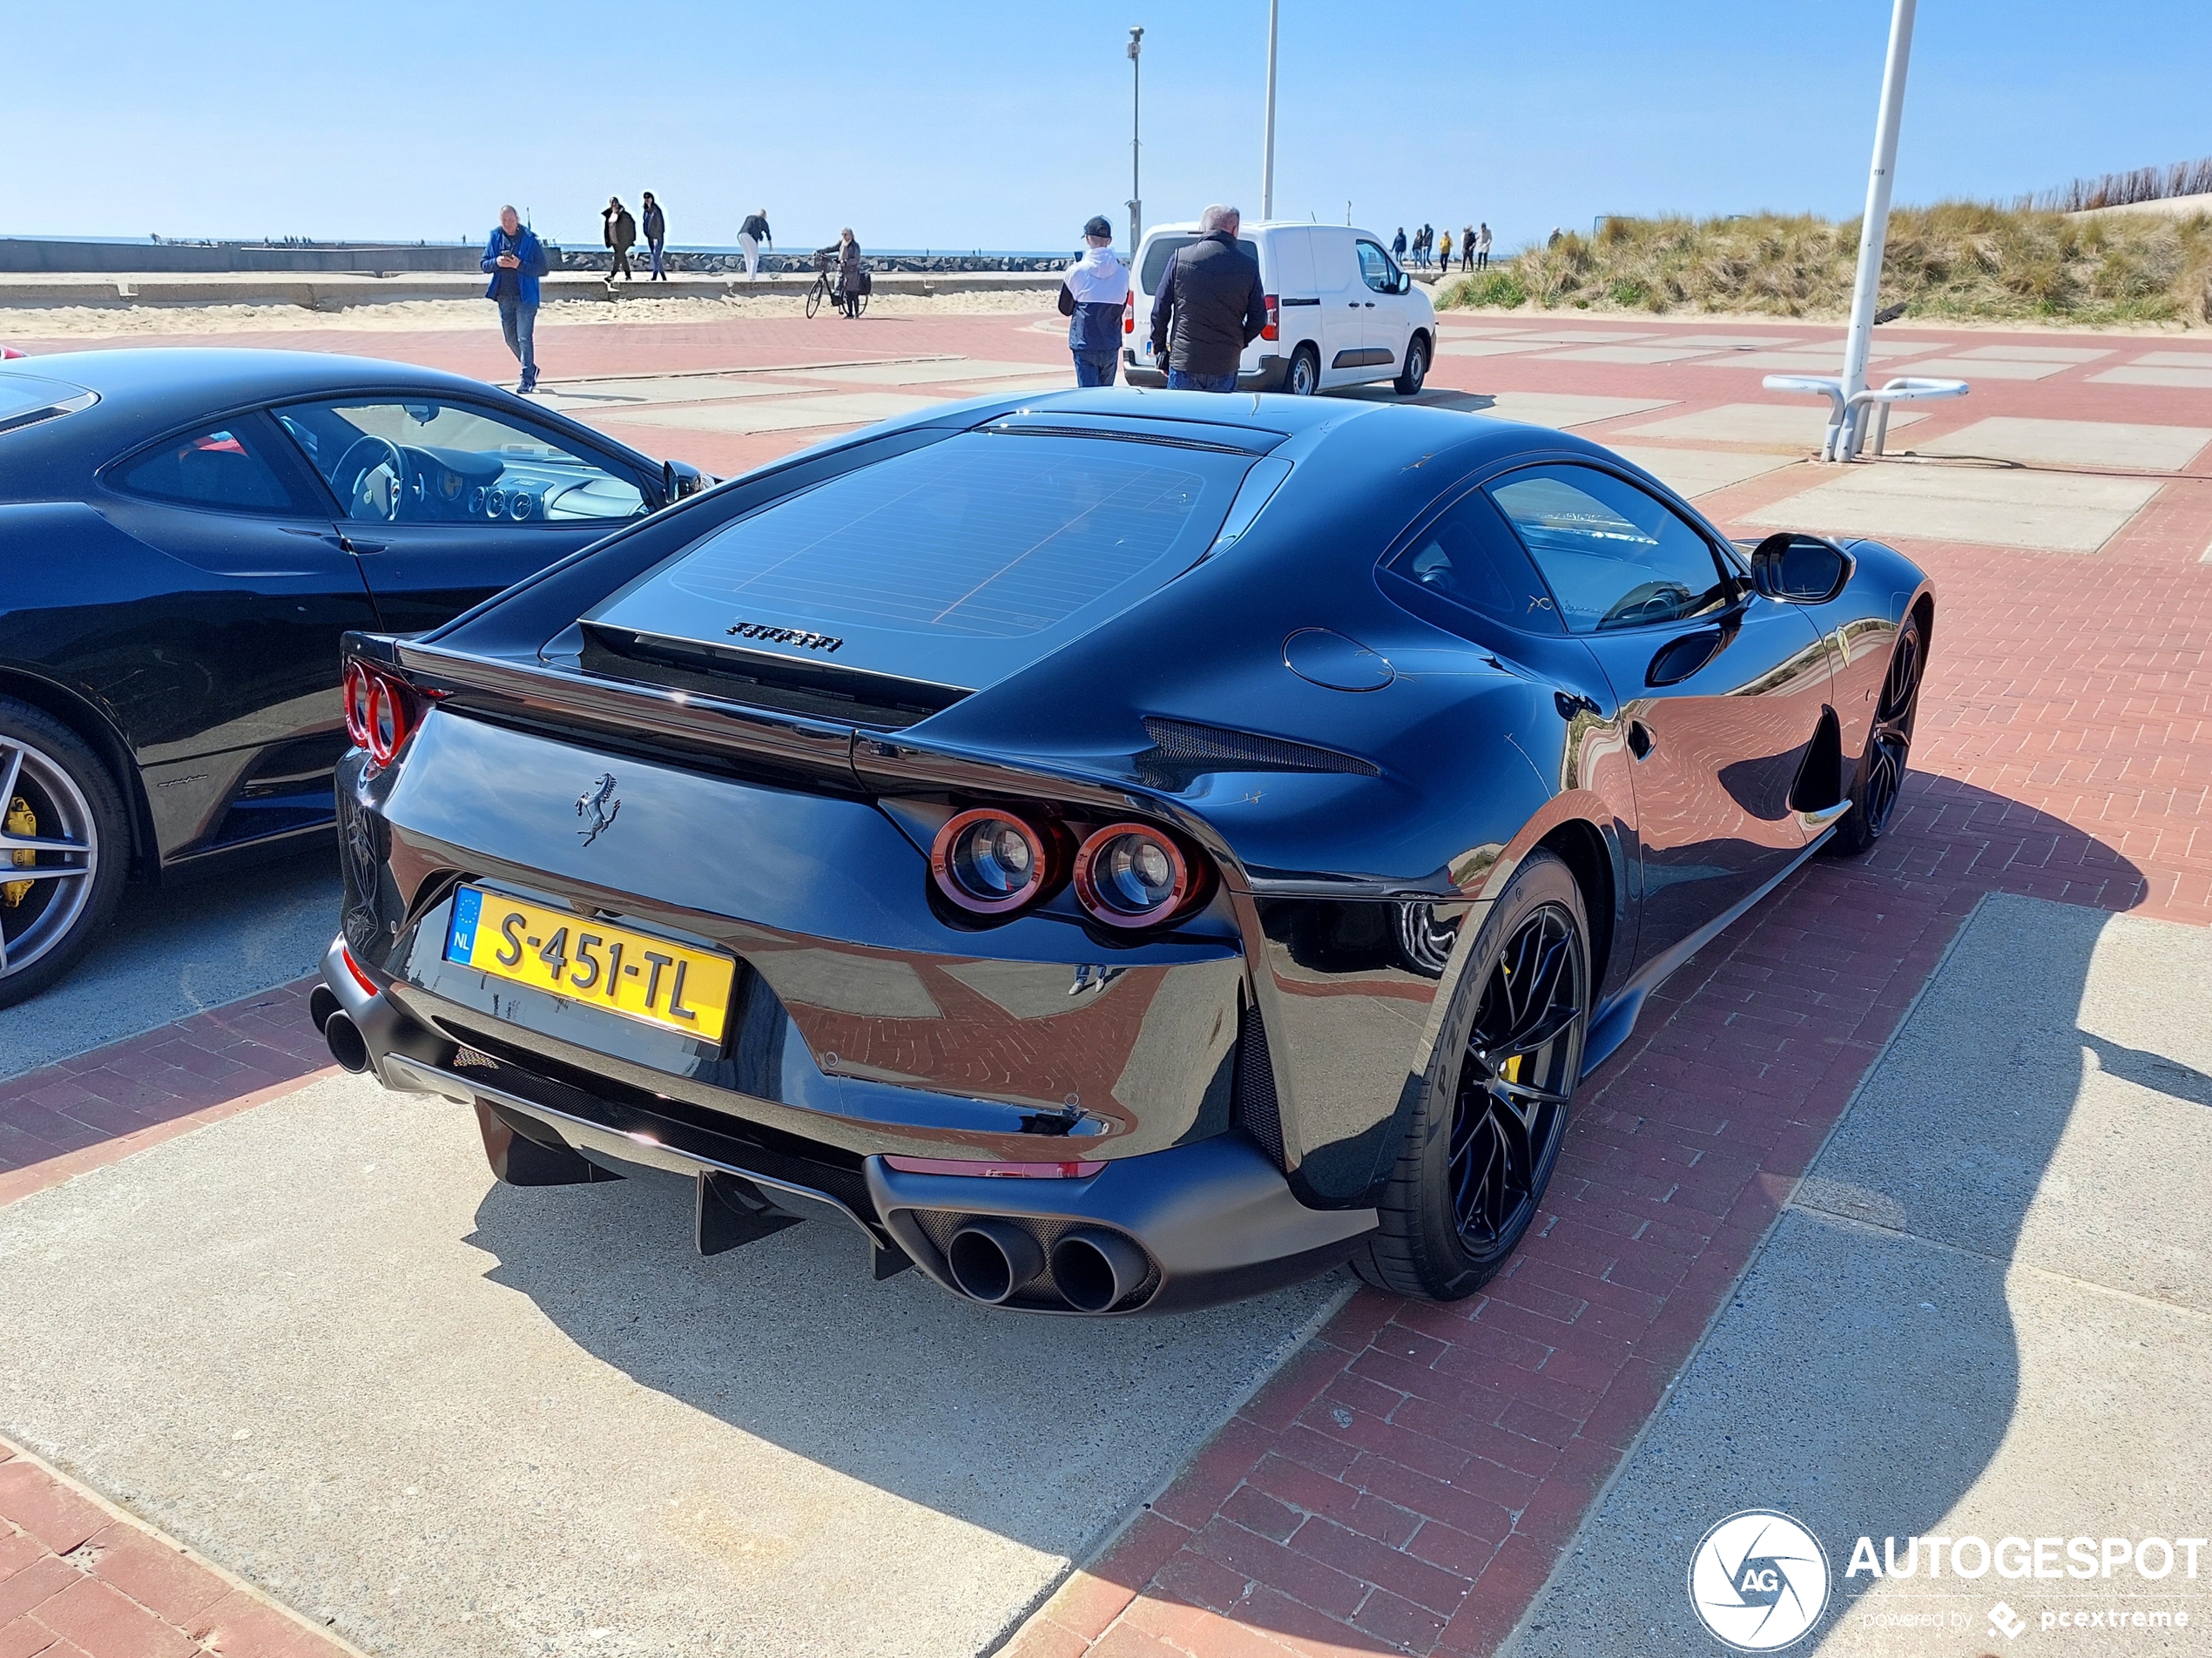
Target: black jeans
<point x="621" y="265"/>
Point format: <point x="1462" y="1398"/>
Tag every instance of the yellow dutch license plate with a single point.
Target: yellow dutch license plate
<point x="636" y="974"/>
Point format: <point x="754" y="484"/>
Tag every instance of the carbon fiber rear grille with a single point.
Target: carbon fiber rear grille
<point x="1180" y="742"/>
<point x="1255" y="1109"/>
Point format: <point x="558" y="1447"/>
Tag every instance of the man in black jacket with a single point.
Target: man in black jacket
<point x="1210" y="305"/>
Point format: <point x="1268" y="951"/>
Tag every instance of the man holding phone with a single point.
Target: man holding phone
<point x="515" y="259"/>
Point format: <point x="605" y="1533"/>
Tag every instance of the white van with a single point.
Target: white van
<point x="1340" y="310"/>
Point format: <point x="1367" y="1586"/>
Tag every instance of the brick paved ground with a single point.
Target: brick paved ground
<point x="1408" y="1482"/>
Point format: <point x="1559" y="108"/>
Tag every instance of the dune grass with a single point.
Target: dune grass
<point x="1951" y="261"/>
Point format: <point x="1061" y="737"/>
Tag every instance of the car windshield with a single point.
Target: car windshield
<point x="25" y="398"/>
<point x="1163" y="249"/>
<point x="982" y="538"/>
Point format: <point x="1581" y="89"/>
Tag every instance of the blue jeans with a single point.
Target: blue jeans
<point x="1181" y="381"/>
<point x="519" y="323"/>
<point x="660" y="267"/>
<point x="1095" y="367"/>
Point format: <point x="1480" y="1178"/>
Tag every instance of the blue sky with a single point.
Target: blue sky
<point x="982" y="123"/>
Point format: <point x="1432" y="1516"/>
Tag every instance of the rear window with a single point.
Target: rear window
<point x="984" y="536"/>
<point x="1159" y="251"/>
<point x="222" y="468"/>
<point x="25" y="398"/>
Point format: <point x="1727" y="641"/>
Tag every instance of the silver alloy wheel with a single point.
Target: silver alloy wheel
<point x="65" y="856"/>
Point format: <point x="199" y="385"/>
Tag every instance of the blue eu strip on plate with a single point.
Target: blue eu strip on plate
<point x="461" y="938"/>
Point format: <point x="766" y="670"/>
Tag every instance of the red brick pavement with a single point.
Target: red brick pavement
<point x="1407" y="1484"/>
<point x="80" y="1579"/>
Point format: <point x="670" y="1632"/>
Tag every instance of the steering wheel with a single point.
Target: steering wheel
<point x="1651" y="602"/>
<point x="358" y="494"/>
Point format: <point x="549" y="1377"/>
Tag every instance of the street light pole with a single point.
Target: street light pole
<point x="1874" y="236"/>
<point x="1136" y="114"/>
<point x="1267" y="144"/>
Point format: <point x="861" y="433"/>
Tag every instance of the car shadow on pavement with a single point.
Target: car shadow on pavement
<point x="1043" y="1430"/>
<point x="2002" y="1213"/>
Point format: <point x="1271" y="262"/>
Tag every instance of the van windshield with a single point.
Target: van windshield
<point x="1162" y="248"/>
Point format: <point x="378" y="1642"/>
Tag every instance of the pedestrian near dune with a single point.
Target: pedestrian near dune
<point x="849" y="272"/>
<point x="752" y="236"/>
<point x="515" y="259"/>
<point x="1467" y="247"/>
<point x="1398" y="246"/>
<point x="656" y="228"/>
<point x="1091" y="297"/>
<point x="1444" y="253"/>
<point x="621" y="235"/>
<point x="1210" y="305"/>
<point x="1482" y="247"/>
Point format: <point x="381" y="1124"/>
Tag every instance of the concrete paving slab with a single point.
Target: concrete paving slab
<point x="2175" y="359"/>
<point x="317" y="1342"/>
<point x="177" y="951"/>
<point x="1698" y="472"/>
<point x="771" y="414"/>
<point x="924" y="373"/>
<point x="1961" y="368"/>
<point x="1821" y="360"/>
<point x="1497" y="347"/>
<point x="1775" y="426"/>
<point x="1963" y="1326"/>
<point x="1996" y="506"/>
<point x="2082" y="444"/>
<point x="1564" y="410"/>
<point x="611" y="394"/>
<point x="2183" y="379"/>
<point x="1626" y="354"/>
<point x="2037" y="354"/>
<point x="1582" y="336"/>
<point x="1734" y="342"/>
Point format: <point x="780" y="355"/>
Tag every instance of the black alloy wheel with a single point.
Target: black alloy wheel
<point x="64" y="847"/>
<point x="1491" y="1121"/>
<point x="1304" y="377"/>
<point x="1408" y="383"/>
<point x="1889" y="745"/>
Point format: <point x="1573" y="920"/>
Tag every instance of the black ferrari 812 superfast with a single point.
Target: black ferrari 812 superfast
<point x="1116" y="849"/>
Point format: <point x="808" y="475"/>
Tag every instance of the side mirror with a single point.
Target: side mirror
<point x="1799" y="569"/>
<point x="668" y="483"/>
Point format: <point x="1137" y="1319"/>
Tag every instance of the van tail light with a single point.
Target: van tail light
<point x="1274" y="328"/>
<point x="1128" y="312"/>
<point x="1133" y="875"/>
<point x="381" y="710"/>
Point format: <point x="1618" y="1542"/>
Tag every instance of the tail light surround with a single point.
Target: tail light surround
<point x="1133" y="875"/>
<point x="382" y="711"/>
<point x="1274" y="313"/>
<point x="991" y="861"/>
<point x="1128" y="312"/>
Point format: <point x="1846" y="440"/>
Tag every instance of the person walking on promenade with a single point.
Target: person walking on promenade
<point x="515" y="259"/>
<point x="849" y="272"/>
<point x="1444" y="254"/>
<point x="1398" y="246"/>
<point x="1210" y="305"/>
<point x="1482" y="247"/>
<point x="1467" y="247"/>
<point x="656" y="237"/>
<point x="751" y="236"/>
<point x="621" y="236"/>
<point x="1091" y="296"/>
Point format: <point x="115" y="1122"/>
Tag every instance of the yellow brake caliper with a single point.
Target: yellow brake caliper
<point x="20" y="820"/>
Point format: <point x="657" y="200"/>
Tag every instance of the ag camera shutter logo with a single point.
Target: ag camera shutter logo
<point x="1759" y="1581"/>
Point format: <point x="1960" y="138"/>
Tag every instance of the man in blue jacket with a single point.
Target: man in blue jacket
<point x="515" y="259"/>
<point x="1091" y="296"/>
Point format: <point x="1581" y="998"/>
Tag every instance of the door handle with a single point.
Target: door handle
<point x="348" y="544"/>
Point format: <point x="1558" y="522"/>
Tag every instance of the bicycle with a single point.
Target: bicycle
<point x="824" y="288"/>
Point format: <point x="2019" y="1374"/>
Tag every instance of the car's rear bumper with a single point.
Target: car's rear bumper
<point x="1211" y="1221"/>
<point x="1268" y="377"/>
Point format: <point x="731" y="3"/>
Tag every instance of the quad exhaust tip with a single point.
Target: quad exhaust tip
<point x="989" y="1259"/>
<point x="346" y="1044"/>
<point x="1096" y="1271"/>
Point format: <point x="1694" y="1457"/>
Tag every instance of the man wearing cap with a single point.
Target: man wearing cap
<point x="1091" y="297"/>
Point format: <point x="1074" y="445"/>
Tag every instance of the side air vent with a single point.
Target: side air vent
<point x="1183" y="745"/>
<point x="1255" y="1109"/>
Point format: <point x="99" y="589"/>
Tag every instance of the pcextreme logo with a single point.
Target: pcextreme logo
<point x="1759" y="1581"/>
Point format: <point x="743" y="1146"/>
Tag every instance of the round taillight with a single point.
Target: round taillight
<point x="1129" y="874"/>
<point x="990" y="862"/>
<point x="387" y="721"/>
<point x="356" y="690"/>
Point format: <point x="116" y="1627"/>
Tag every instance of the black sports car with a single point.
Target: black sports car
<point x="1117" y="849"/>
<point x="184" y="537"/>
